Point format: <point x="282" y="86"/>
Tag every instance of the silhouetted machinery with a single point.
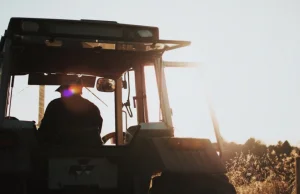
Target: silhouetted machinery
<point x="145" y="158"/>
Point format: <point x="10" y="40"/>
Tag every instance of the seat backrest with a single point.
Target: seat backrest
<point x="18" y="159"/>
<point x="26" y="130"/>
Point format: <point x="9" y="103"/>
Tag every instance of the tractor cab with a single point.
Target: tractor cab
<point x="109" y="59"/>
<point x="54" y="52"/>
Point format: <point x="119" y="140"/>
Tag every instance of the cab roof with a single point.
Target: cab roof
<point x="99" y="48"/>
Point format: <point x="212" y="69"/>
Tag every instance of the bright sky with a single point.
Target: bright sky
<point x="249" y="51"/>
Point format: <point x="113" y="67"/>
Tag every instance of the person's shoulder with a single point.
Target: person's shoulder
<point x="90" y="103"/>
<point x="55" y="101"/>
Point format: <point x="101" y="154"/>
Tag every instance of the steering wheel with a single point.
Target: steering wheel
<point x="111" y="135"/>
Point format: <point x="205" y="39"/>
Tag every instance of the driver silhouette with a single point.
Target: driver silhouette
<point x="68" y="115"/>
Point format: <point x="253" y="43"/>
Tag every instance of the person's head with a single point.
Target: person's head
<point x="69" y="90"/>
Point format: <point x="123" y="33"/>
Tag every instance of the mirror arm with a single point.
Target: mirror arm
<point x="128" y="108"/>
<point x="127" y="103"/>
<point x="124" y="82"/>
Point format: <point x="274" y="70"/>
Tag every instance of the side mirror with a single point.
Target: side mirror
<point x="105" y="85"/>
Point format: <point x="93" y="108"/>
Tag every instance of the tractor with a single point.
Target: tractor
<point x="143" y="156"/>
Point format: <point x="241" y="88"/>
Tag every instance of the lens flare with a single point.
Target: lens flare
<point x="67" y="93"/>
<point x="71" y="91"/>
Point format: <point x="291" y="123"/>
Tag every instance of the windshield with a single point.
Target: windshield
<point x="26" y="102"/>
<point x="188" y="100"/>
<point x="191" y="117"/>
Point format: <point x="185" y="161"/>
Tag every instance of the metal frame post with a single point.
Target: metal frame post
<point x="41" y="108"/>
<point x="145" y="103"/>
<point x="163" y="93"/>
<point x="139" y="70"/>
<point x="118" y="112"/>
<point x="5" y="79"/>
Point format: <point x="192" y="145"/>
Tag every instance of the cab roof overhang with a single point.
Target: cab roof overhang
<point x="98" y="48"/>
<point x="110" y="64"/>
